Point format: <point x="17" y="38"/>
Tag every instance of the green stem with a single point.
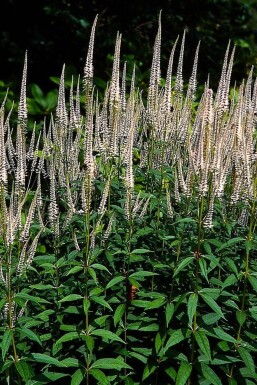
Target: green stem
<point x="247" y="265"/>
<point x="196" y="289"/>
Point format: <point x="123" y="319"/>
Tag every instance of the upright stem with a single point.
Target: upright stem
<point x="247" y="263"/>
<point x="10" y="305"/>
<point x="197" y="257"/>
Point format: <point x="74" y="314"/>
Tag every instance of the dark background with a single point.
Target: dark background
<point x="57" y="32"/>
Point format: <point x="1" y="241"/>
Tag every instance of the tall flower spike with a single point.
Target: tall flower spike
<point x="179" y="77"/>
<point x="22" y="108"/>
<point x="222" y="82"/>
<point x="3" y="160"/>
<point x="77" y="102"/>
<point x="168" y="83"/>
<point x="20" y="136"/>
<point x="123" y="88"/>
<point x="61" y="113"/>
<point x="192" y="81"/>
<point x="155" y="73"/>
<point x="89" y="69"/>
<point x="115" y="86"/>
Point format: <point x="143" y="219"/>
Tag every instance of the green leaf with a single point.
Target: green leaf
<point x="203" y="268"/>
<point x="203" y="343"/>
<point x="229" y="281"/>
<point x="99" y="376"/>
<point x="118" y="314"/>
<point x="231" y="265"/>
<point x="77" y="377"/>
<point x="253" y="282"/>
<point x="176" y="337"/>
<point x="89" y="342"/>
<point x="74" y="270"/>
<point x="158" y="342"/>
<point x="70" y="297"/>
<point x="148" y="370"/>
<point x="171" y="372"/>
<point x="210" y="375"/>
<point x="150" y="328"/>
<point x="142" y="274"/>
<point x="169" y="311"/>
<point x="114" y="281"/>
<point x="230" y="242"/>
<point x="6" y="342"/>
<point x="224" y="336"/>
<point x="110" y="363"/>
<point x="183" y="373"/>
<point x="30" y="334"/>
<point x="99" y="266"/>
<point x="86" y="305"/>
<point x="93" y="274"/>
<point x="39" y="357"/>
<point x="24" y="370"/>
<point x="68" y="337"/>
<point x="101" y="301"/>
<point x="141" y="251"/>
<point x="138" y="356"/>
<point x="40" y="286"/>
<point x="70" y="362"/>
<point x="213" y="304"/>
<point x="183" y="264"/>
<point x="247" y="358"/>
<point x="241" y="317"/>
<point x="191" y="306"/>
<point x="27" y="297"/>
<point x="107" y="334"/>
<point x="156" y="303"/>
<point x="210" y="318"/>
<point x="184" y="220"/>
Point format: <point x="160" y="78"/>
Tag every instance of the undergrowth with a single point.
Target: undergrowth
<point x="128" y="232"/>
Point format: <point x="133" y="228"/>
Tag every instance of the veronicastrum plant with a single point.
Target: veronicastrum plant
<point x="128" y="237"/>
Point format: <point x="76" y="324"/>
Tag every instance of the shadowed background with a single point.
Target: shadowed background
<point x="57" y="32"/>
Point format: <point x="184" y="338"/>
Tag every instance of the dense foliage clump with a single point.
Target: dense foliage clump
<point x="128" y="243"/>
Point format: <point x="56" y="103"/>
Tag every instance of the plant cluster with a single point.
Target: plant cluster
<point x="128" y="243"/>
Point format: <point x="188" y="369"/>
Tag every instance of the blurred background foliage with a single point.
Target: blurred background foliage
<point x="57" y="32"/>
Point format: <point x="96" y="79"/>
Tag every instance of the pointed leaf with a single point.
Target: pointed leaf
<point x="118" y="314"/>
<point x="210" y="375"/>
<point x="148" y="370"/>
<point x="241" y="317"/>
<point x="230" y="242"/>
<point x="247" y="358"/>
<point x="169" y="313"/>
<point x="77" y="377"/>
<point x="191" y="306"/>
<point x="99" y="376"/>
<point x="183" y="264"/>
<point x="110" y="363"/>
<point x="101" y="301"/>
<point x="224" y="336"/>
<point x="213" y="305"/>
<point x="253" y="282"/>
<point x="68" y="337"/>
<point x="107" y="334"/>
<point x="183" y="373"/>
<point x="24" y="370"/>
<point x="114" y="281"/>
<point x="30" y="334"/>
<point x="156" y="303"/>
<point x="6" y="342"/>
<point x="39" y="357"/>
<point x="70" y="297"/>
<point x="203" y="343"/>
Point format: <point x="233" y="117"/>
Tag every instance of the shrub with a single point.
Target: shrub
<point x="128" y="232"/>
